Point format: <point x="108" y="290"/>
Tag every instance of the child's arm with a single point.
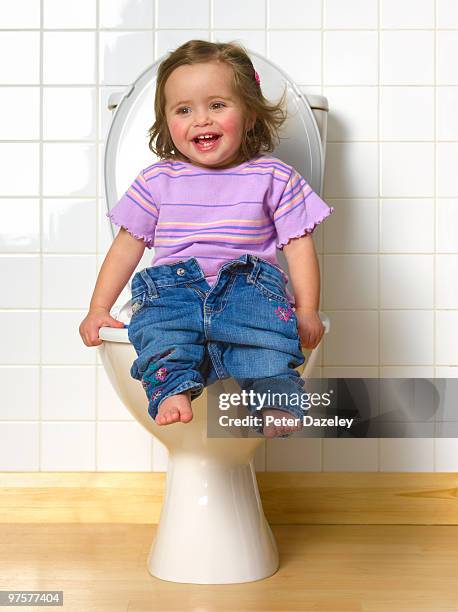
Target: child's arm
<point x="305" y="277"/>
<point x="118" y="265"/>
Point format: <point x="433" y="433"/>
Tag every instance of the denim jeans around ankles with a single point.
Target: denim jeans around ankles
<point x="188" y="334"/>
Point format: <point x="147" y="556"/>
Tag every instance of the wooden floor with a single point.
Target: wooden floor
<point x="327" y="568"/>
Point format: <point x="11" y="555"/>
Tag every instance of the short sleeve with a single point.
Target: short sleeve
<point x="137" y="212"/>
<point x="298" y="211"/>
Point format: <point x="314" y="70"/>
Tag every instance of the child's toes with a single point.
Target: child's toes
<point x="173" y="416"/>
<point x="185" y="416"/>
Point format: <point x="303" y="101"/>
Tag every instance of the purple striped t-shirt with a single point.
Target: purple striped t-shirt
<point x="216" y="215"/>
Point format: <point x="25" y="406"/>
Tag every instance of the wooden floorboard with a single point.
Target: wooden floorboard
<point x="325" y="568"/>
<point x="303" y="498"/>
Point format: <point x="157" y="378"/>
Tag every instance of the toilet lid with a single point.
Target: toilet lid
<point x="127" y="149"/>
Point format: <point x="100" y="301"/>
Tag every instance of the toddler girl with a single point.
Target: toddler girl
<point x="214" y="302"/>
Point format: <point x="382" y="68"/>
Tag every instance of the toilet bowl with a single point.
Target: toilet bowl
<point x="212" y="528"/>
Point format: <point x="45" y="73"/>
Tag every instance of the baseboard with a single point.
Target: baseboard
<point x="339" y="498"/>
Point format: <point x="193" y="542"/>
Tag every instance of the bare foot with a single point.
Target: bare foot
<point x="279" y="423"/>
<point x="175" y="408"/>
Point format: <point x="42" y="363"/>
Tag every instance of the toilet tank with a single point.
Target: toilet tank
<point x="320" y="109"/>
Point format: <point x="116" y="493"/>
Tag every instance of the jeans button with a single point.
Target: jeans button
<point x="180" y="271"/>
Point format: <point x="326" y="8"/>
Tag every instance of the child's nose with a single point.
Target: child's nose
<point x="201" y="116"/>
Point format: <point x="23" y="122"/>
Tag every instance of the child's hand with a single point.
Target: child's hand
<point x="310" y="327"/>
<point x="95" y="319"/>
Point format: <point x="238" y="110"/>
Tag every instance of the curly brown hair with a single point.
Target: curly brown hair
<point x="263" y="136"/>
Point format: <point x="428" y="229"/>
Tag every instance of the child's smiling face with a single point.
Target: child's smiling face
<point x="199" y="100"/>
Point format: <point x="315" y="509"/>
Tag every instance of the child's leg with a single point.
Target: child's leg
<point x="174" y="377"/>
<point x="279" y="400"/>
<point x="166" y="331"/>
<point x="255" y="331"/>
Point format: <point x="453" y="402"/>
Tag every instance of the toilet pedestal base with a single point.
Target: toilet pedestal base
<point x="212" y="528"/>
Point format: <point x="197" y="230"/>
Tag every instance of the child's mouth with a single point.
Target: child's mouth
<point x="207" y="144"/>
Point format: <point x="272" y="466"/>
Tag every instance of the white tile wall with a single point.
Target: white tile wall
<point x="20" y="168"/>
<point x="69" y="169"/>
<point x="67" y="446"/>
<point x="123" y="446"/>
<point x="446" y="175"/>
<point x="306" y="44"/>
<point x="304" y="14"/>
<point x="446" y="115"/>
<point x="388" y="255"/>
<point x="408" y="14"/>
<point x="23" y="52"/>
<point x="20" y="225"/>
<point x="447" y="14"/>
<point x="128" y="14"/>
<point x="396" y="220"/>
<point x="21" y="14"/>
<point x="398" y="178"/>
<point x="20" y="117"/>
<point x="251" y="39"/>
<point x="195" y="14"/>
<point x="354" y="115"/>
<point x="69" y="225"/>
<point x="407" y="113"/>
<point x="69" y="113"/>
<point x="447" y="49"/>
<point x="22" y="274"/>
<point x="406" y="57"/>
<point x="68" y="393"/>
<point x="350" y="57"/>
<point x="123" y="56"/>
<point x="343" y="176"/>
<point x="235" y="14"/>
<point x="69" y="58"/>
<point x="351" y="15"/>
<point x="62" y="14"/>
<point x="22" y="406"/>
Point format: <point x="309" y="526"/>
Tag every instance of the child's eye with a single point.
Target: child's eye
<point x="180" y="111"/>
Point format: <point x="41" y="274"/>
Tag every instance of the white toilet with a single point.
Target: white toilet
<point x="212" y="528"/>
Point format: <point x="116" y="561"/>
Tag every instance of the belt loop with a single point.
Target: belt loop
<point x="152" y="291"/>
<point x="251" y="278"/>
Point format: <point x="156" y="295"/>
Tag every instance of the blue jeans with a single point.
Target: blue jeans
<point x="187" y="334"/>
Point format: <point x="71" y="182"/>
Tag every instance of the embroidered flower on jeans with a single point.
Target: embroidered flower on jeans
<point x="156" y="394"/>
<point x="161" y="373"/>
<point x="284" y="314"/>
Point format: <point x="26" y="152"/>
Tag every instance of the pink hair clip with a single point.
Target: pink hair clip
<point x="256" y="76"/>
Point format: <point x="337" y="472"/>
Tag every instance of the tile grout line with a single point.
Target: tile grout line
<point x="330" y="198"/>
<point x="40" y="231"/>
<point x="211" y="21"/>
<point x="101" y="141"/>
<point x="267" y="50"/>
<point x="323" y="348"/>
<point x="379" y="225"/>
<point x="154" y="19"/>
<point x="98" y="211"/>
<point x="435" y="212"/>
<point x="155" y="58"/>
<point x="237" y="29"/>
